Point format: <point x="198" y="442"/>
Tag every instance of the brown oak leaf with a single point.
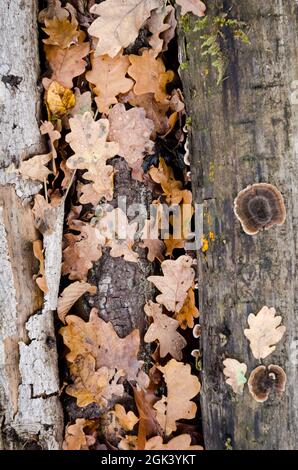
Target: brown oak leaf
<point x="127" y="420"/>
<point x="61" y="32"/>
<point x="75" y="438"/>
<point x="70" y="295"/>
<point x="196" y="7"/>
<point x="158" y="24"/>
<point x="188" y="312"/>
<point x="173" y="189"/>
<point x="182" y="442"/>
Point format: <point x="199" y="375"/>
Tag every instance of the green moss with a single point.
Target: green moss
<point x="184" y="65"/>
<point x="188" y="121"/>
<point x="185" y="23"/>
<point x="228" y="444"/>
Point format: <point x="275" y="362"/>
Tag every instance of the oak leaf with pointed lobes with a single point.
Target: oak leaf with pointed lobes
<point x="88" y="139"/>
<point x="264" y="332"/>
<point x="75" y="438"/>
<point x="157" y="25"/>
<point x="91" y="384"/>
<point x="81" y="251"/>
<point x="127" y="420"/>
<point x="150" y="75"/>
<point x="196" y="7"/>
<point x="59" y="99"/>
<point x="70" y="295"/>
<point x="181" y="388"/>
<point x="173" y="189"/>
<point x="109" y="77"/>
<point x="61" y="32"/>
<point x="131" y="130"/>
<point x="67" y="64"/>
<point x="164" y="330"/>
<point x="174" y="284"/>
<point x="235" y="372"/>
<point x="102" y="177"/>
<point x="182" y="442"/>
<point x="35" y="168"/>
<point x="188" y="312"/>
<point x="119" y="23"/>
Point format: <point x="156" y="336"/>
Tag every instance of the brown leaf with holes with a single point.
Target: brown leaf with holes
<point x="131" y="130"/>
<point x="70" y="295"/>
<point x="61" y="32"/>
<point x="164" y="330"/>
<point x="67" y="64"/>
<point x="91" y="384"/>
<point x="181" y="388"/>
<point x="75" y="438"/>
<point x="88" y="139"/>
<point x="154" y="82"/>
<point x="174" y="284"/>
<point x="40" y="277"/>
<point x="118" y="24"/>
<point x="182" y="442"/>
<point x="188" y="312"/>
<point x="127" y="420"/>
<point x="81" y="251"/>
<point x="264" y="332"/>
<point x="196" y="7"/>
<point x="109" y="77"/>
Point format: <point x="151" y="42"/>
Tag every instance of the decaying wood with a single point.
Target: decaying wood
<point x="245" y="131"/>
<point x="31" y="415"/>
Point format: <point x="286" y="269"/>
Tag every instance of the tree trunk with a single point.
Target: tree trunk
<point x="31" y="414"/>
<point x="244" y="131"/>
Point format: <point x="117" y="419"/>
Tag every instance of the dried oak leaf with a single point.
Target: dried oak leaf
<point x="181" y="388"/>
<point x="173" y="244"/>
<point x="148" y="424"/>
<point x="129" y="443"/>
<point x="81" y="251"/>
<point x="83" y="103"/>
<point x="173" y="189"/>
<point x="174" y="284"/>
<point x="154" y="82"/>
<point x="91" y="384"/>
<point x="131" y="130"/>
<point x="155" y="246"/>
<point x="164" y="330"/>
<point x="88" y="139"/>
<point x="196" y="7"/>
<point x="45" y="214"/>
<point x="59" y="99"/>
<point x="70" y="295"/>
<point x="127" y="420"/>
<point x="102" y="177"/>
<point x="109" y="77"/>
<point x="188" y="312"/>
<point x="157" y="24"/>
<point x="235" y="372"/>
<point x="35" y="168"/>
<point x="264" y="332"/>
<point x="67" y="63"/>
<point x="53" y="10"/>
<point x="61" y="32"/>
<point x="40" y="277"/>
<point x="182" y="442"/>
<point x="75" y="438"/>
<point x="119" y="23"/>
<point x="48" y="128"/>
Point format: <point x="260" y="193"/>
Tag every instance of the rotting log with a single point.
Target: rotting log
<point x="30" y="412"/>
<point x="244" y="131"/>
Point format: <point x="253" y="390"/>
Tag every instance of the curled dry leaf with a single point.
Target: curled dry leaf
<point x="154" y="82"/>
<point x="131" y="130"/>
<point x="61" y="32"/>
<point x="67" y="63"/>
<point x="182" y="442"/>
<point x="188" y="312"/>
<point x="235" y="372"/>
<point x="196" y="7"/>
<point x="109" y="77"/>
<point x="127" y="420"/>
<point x="75" y="438"/>
<point x="59" y="99"/>
<point x="70" y="295"/>
<point x="148" y="424"/>
<point x="40" y="277"/>
<point x="181" y="388"/>
<point x="119" y="23"/>
<point x="174" y="284"/>
<point x="164" y="330"/>
<point x="92" y="385"/>
<point x="264" y="332"/>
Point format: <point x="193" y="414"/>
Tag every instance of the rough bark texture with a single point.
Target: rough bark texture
<point x="31" y="415"/>
<point x="245" y="131"/>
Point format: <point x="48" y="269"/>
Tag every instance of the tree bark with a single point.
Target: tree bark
<point x="245" y="131"/>
<point x="31" y="414"/>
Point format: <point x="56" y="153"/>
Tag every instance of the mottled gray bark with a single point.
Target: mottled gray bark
<point x="31" y="414"/>
<point x="244" y="131"/>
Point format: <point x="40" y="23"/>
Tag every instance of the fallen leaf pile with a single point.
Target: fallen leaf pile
<point x="109" y="94"/>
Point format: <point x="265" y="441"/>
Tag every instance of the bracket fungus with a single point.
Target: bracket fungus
<point x="259" y="207"/>
<point x="266" y="380"/>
